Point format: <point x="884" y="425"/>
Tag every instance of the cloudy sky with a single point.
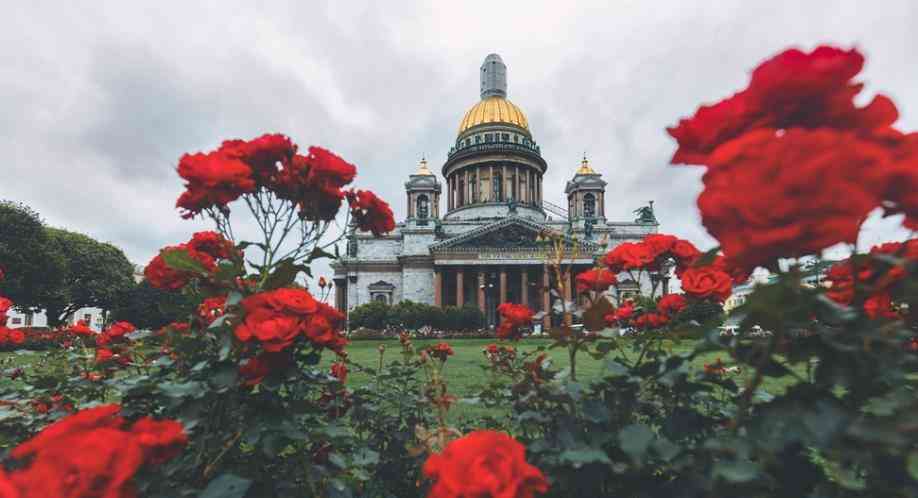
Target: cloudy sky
<point x="98" y="101"/>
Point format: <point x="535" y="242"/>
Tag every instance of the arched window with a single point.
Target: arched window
<point x="589" y="206"/>
<point x="497" y="186"/>
<point x="461" y="192"/>
<point x="423" y="206"/>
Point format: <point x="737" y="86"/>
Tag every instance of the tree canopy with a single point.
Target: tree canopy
<point x="150" y="308"/>
<point x="94" y="274"/>
<point x="33" y="267"/>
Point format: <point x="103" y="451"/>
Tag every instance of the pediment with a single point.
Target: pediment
<point x="508" y="233"/>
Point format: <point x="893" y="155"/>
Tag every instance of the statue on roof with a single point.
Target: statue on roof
<point x="645" y="214"/>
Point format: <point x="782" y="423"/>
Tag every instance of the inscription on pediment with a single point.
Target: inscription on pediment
<point x="512" y="236"/>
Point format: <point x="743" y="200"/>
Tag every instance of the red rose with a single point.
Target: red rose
<point x="597" y="279"/>
<point x="324" y="328"/>
<point x="161" y="276"/>
<point x="769" y="196"/>
<point x="339" y="371"/>
<point x="650" y="321"/>
<point x="16" y="336"/>
<point x="211" y="308"/>
<point x="370" y="213"/>
<point x="5" y="305"/>
<point x="256" y="369"/>
<point x="793" y="89"/>
<point x="212" y="180"/>
<point x="90" y="453"/>
<point x="80" y="328"/>
<point x="314" y="182"/>
<point x="513" y="317"/>
<point x="212" y="244"/>
<point x="671" y="304"/>
<point x="483" y="464"/>
<point x="622" y="313"/>
<point x="660" y="243"/>
<point x="263" y="155"/>
<point x="440" y="351"/>
<point x="120" y="329"/>
<point x="879" y="306"/>
<point x="103" y="355"/>
<point x="685" y="252"/>
<point x="628" y="256"/>
<point x="160" y="440"/>
<point x="706" y="282"/>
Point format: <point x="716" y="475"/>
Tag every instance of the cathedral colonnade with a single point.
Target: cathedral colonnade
<point x="488" y="286"/>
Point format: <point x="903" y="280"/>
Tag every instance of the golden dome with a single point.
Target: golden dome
<point x="493" y="110"/>
<point x="422" y="168"/>
<point x="585" y="168"/>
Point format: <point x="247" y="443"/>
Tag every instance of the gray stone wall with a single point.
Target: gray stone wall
<point x="417" y="243"/>
<point x="378" y="249"/>
<point x="417" y="285"/>
<point x="360" y="292"/>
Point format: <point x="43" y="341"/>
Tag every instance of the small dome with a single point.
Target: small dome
<point x="422" y="168"/>
<point x="496" y="110"/>
<point x="585" y="168"/>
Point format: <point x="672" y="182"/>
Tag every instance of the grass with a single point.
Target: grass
<point x="464" y="370"/>
<point x="465" y="374"/>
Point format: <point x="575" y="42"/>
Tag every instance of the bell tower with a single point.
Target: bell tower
<point x="423" y="190"/>
<point x="586" y="195"/>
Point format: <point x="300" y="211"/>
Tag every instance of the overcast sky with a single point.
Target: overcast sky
<point x="99" y="100"/>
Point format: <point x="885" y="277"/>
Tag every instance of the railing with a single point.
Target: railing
<point x="495" y="147"/>
<point x="555" y="209"/>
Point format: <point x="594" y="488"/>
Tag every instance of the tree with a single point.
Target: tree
<point x="33" y="269"/>
<point x="150" y="308"/>
<point x="95" y="274"/>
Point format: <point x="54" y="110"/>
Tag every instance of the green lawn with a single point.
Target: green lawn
<point x="464" y="370"/>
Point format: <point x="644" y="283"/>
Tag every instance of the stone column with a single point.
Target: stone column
<point x="481" y="291"/>
<point x="460" y="287"/>
<point x="546" y="298"/>
<point x="503" y="285"/>
<point x="524" y="286"/>
<point x="438" y="288"/>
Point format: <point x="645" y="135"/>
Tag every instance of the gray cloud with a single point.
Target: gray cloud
<point x="97" y="104"/>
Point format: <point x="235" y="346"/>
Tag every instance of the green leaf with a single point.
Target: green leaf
<point x="284" y="274"/>
<point x="635" y="439"/>
<point x="318" y="253"/>
<point x="912" y="465"/>
<point x="227" y="486"/>
<point x="736" y="471"/>
<point x="584" y="456"/>
<point x="233" y="298"/>
<point x="224" y="377"/>
<point x="179" y="259"/>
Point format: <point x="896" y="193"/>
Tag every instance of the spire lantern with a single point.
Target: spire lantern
<point x="493" y="77"/>
<point x="422" y="168"/>
<point x="585" y="168"/>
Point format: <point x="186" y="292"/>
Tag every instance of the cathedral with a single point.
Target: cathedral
<point x="487" y="247"/>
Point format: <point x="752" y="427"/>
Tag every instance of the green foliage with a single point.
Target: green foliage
<point x="94" y="274"/>
<point x="372" y="315"/>
<point x="408" y="315"/>
<point x="33" y="267"/>
<point x="150" y="308"/>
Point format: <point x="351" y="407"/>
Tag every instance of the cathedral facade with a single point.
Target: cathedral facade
<point x="487" y="247"/>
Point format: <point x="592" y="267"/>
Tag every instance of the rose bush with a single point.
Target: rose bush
<point x="233" y="399"/>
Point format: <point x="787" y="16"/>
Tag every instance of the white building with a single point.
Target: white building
<point x="487" y="247"/>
